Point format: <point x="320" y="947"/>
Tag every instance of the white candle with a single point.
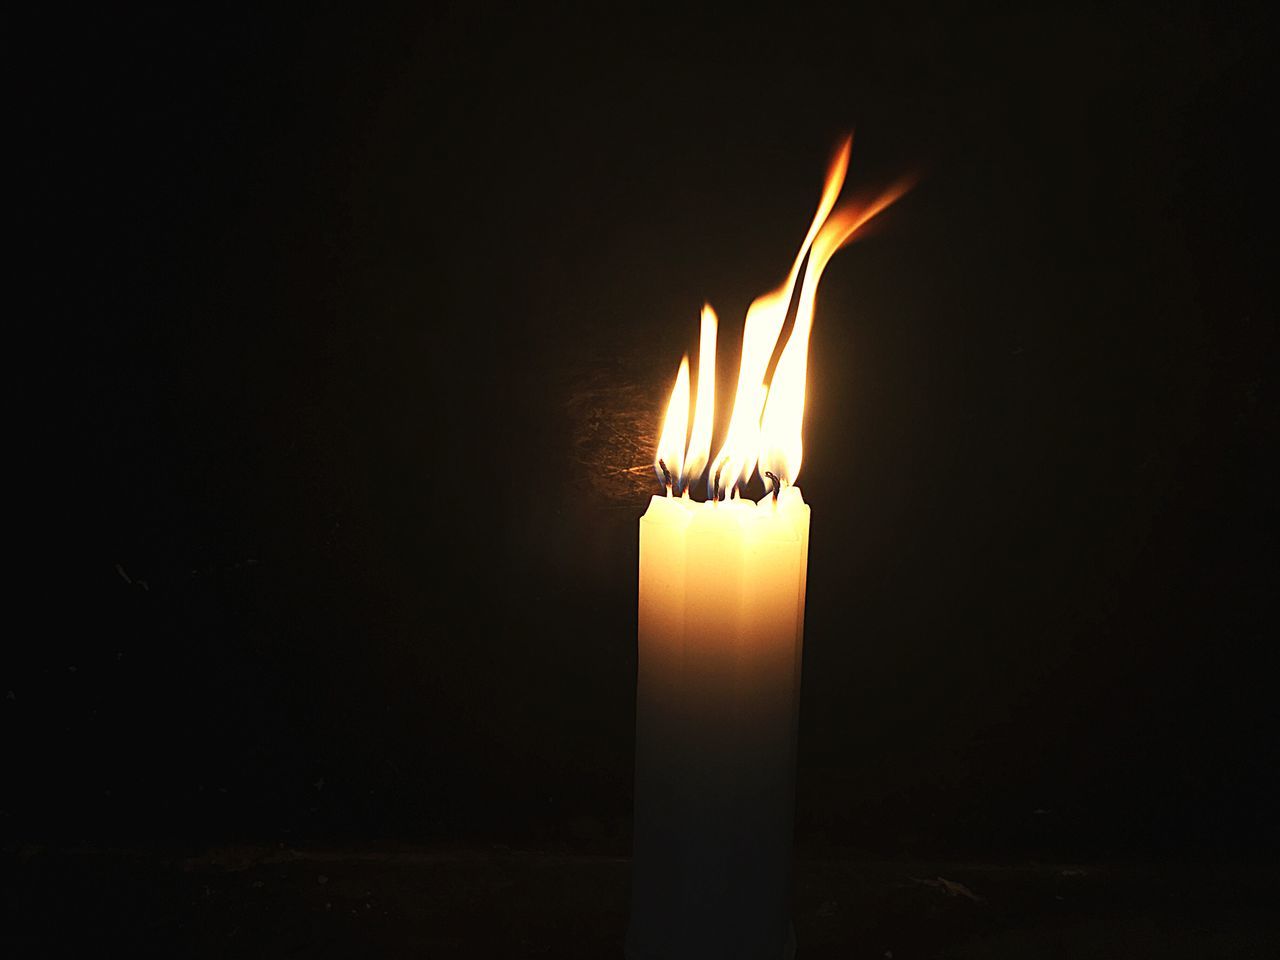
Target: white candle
<point x="720" y="631"/>
<point x="721" y="625"/>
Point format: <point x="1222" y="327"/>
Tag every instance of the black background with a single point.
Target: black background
<point x="359" y="325"/>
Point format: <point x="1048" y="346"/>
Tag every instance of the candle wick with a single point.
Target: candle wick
<point x="715" y="496"/>
<point x="666" y="474"/>
<point x="777" y="484"/>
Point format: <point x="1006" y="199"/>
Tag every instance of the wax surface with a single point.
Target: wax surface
<point x="721" y="620"/>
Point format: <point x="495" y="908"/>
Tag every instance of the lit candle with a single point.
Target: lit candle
<point x="721" y="624"/>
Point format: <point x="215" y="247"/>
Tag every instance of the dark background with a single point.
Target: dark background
<point x="359" y="325"/>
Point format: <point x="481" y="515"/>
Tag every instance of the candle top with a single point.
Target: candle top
<point x="771" y="519"/>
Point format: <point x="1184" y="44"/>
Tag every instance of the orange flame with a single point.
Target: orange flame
<point x="669" y="460"/>
<point x="765" y="428"/>
<point x="782" y="446"/>
<point x="695" y="460"/>
<point x="765" y="318"/>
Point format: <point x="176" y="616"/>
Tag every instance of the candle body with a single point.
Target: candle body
<point x="721" y="617"/>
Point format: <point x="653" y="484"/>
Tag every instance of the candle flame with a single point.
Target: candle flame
<point x="736" y="460"/>
<point x="704" y="418"/>
<point x="669" y="461"/>
<point x="765" y="429"/>
<point x="782" y="445"/>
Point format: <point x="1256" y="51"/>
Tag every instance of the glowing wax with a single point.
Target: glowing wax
<point x="721" y="621"/>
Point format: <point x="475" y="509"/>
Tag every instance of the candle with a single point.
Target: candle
<point x="721" y="623"/>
